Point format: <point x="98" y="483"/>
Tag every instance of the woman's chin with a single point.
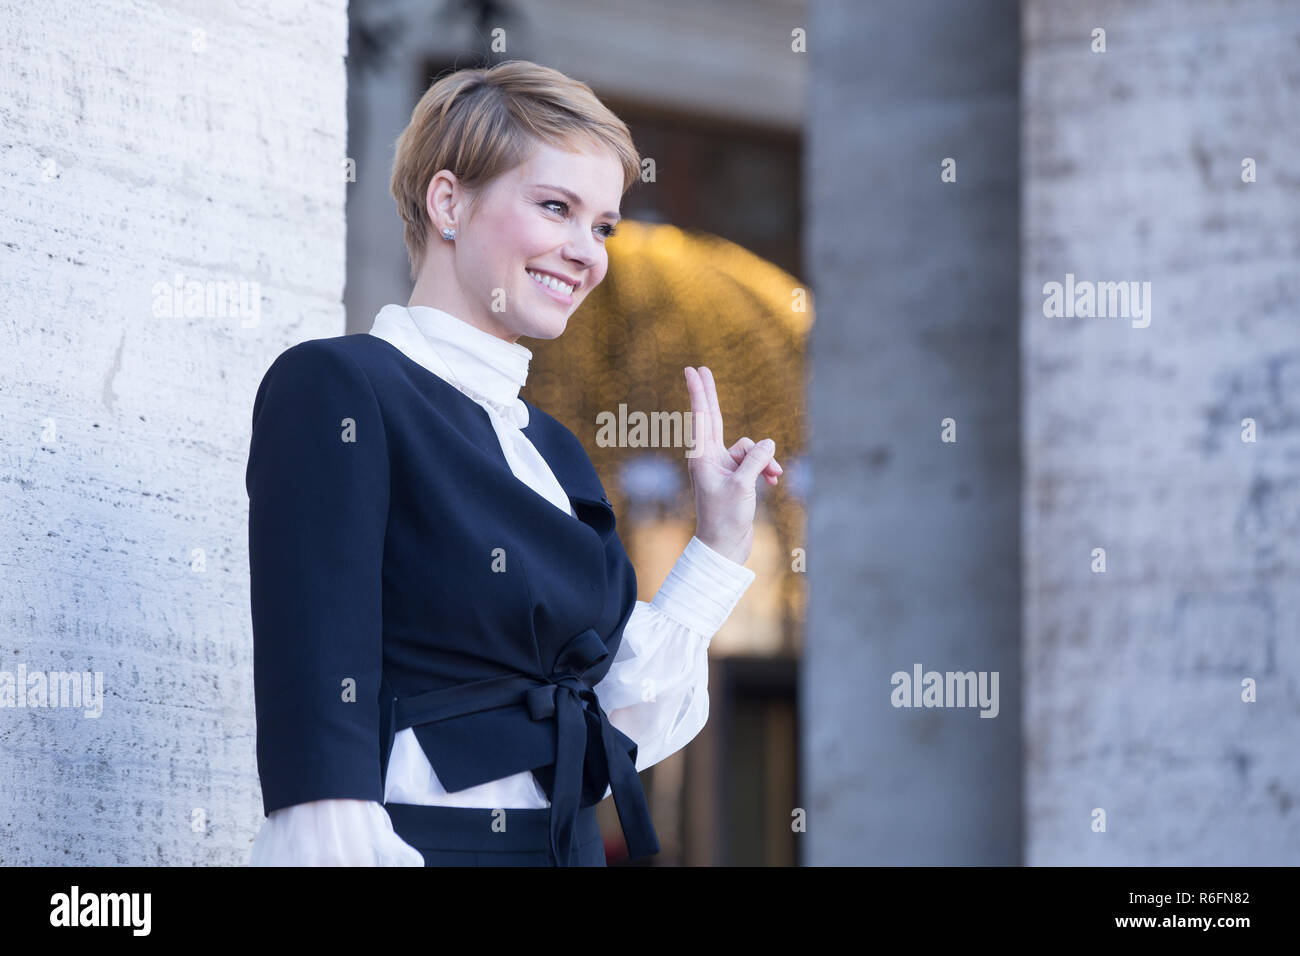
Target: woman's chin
<point x="546" y="327"/>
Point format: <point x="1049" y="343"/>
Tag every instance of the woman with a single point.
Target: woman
<point x="450" y="663"/>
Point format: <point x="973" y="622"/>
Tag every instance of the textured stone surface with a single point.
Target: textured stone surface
<point x="136" y="148"/>
<point x="913" y="543"/>
<point x="1133" y="435"/>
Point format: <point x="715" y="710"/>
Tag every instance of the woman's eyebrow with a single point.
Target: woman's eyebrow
<point x="573" y="198"/>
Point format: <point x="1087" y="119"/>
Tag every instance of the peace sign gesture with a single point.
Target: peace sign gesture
<point x="723" y="478"/>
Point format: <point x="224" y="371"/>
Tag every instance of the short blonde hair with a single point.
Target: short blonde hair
<point x="480" y="123"/>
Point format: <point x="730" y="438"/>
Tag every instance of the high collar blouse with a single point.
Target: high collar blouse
<point x="487" y="369"/>
<point x="664" y="645"/>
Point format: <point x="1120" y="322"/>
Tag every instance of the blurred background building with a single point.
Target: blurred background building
<point x="1105" y="516"/>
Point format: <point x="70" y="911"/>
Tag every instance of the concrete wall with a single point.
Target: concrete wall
<point x="144" y="141"/>
<point x="1134" y="435"/>
<point x="913" y="550"/>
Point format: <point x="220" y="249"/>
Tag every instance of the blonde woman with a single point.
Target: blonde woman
<point x="451" y="666"/>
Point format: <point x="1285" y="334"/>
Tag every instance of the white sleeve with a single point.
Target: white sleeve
<point x="332" y="833"/>
<point x="657" y="690"/>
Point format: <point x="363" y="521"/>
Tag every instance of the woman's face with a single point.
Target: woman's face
<point x="549" y="216"/>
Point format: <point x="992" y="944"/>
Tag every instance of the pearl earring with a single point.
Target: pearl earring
<point x="449" y="234"/>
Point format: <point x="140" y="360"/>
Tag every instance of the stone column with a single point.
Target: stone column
<point x="914" y="543"/>
<point x="1165" y="442"/>
<point x="171" y="214"/>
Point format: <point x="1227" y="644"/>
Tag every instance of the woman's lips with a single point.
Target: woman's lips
<point x="554" y="294"/>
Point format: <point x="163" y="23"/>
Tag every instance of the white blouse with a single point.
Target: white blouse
<point x="656" y="691"/>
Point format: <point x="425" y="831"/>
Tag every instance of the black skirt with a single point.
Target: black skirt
<point x="474" y="836"/>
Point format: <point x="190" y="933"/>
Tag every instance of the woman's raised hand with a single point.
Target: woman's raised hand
<point x="722" y="478"/>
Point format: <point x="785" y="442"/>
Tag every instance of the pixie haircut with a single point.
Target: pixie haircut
<point x="480" y="123"/>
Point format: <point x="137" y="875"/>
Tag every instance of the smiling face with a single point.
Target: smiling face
<point x="547" y="218"/>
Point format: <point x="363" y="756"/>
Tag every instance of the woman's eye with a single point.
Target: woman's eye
<point x="564" y="210"/>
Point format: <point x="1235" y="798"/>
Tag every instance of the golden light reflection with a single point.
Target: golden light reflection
<point x="674" y="298"/>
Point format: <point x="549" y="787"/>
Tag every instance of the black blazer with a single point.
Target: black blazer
<point x="402" y="576"/>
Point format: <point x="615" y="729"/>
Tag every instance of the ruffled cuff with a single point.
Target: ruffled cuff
<point x="332" y="833"/>
<point x="702" y="588"/>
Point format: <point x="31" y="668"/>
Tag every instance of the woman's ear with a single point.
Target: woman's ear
<point x="440" y="201"/>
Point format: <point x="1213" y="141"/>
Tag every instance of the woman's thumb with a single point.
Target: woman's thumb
<point x="756" y="459"/>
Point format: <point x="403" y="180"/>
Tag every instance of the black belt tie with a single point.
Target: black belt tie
<point x="569" y="698"/>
